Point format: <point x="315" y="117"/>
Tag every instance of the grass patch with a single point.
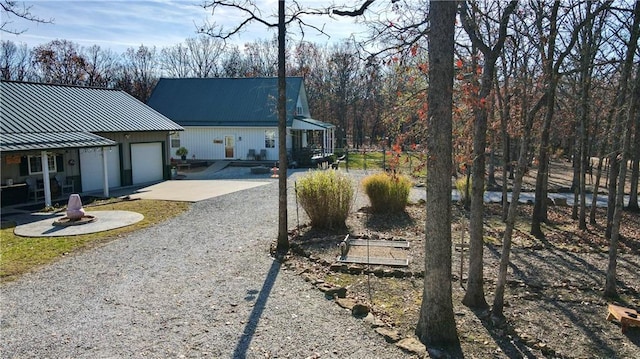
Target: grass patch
<point x="19" y="255"/>
<point x="409" y="163"/>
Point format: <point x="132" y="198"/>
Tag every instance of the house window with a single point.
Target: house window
<point x="270" y="139"/>
<point x="35" y="164"/>
<point x="175" y="143"/>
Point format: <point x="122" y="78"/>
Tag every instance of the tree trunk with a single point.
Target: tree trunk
<point x="610" y="284"/>
<point x="436" y="325"/>
<point x="283" y="235"/>
<point x="474" y="296"/>
<point x="635" y="167"/>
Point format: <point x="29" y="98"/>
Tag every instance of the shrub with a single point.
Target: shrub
<point x="387" y="192"/>
<point x="326" y="197"/>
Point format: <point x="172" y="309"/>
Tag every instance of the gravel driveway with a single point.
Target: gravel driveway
<point x="199" y="285"/>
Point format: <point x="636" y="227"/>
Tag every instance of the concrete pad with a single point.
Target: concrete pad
<point x="105" y="220"/>
<point x="193" y="190"/>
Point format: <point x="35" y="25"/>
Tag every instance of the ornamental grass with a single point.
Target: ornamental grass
<point x="326" y="196"/>
<point x="388" y="193"/>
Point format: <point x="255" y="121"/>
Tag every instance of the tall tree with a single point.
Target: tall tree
<point x="474" y="296"/>
<point x="623" y="126"/>
<point x="15" y="61"/>
<point x="141" y="66"/>
<point x="436" y="324"/>
<point x="61" y="62"/>
<point x="548" y="26"/>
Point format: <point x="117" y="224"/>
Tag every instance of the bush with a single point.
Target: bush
<point x="387" y="192"/>
<point x="326" y="197"/>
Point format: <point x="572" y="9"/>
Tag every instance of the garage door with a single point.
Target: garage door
<point x="146" y="162"/>
<point x="92" y="169"/>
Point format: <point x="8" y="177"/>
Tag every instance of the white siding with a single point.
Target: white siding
<point x="208" y="142"/>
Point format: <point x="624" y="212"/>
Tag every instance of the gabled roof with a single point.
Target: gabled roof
<point x="224" y="101"/>
<point x="44" y="116"/>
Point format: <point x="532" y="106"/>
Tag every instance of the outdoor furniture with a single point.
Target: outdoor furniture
<point x="65" y="184"/>
<point x="626" y="316"/>
<point x="251" y="155"/>
<point x="263" y="155"/>
<point x="34" y="189"/>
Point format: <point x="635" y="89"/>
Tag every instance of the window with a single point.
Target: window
<point x="35" y="164"/>
<point x="175" y="143"/>
<point x="270" y="139"/>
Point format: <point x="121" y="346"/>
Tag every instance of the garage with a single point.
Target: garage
<point x="146" y="162"/>
<point x="93" y="171"/>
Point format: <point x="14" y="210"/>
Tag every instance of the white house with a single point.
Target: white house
<point x="236" y="118"/>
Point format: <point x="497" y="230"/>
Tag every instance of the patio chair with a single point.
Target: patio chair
<point x="33" y="189"/>
<point x="65" y="184"/>
<point x="251" y="155"/>
<point x="263" y="155"/>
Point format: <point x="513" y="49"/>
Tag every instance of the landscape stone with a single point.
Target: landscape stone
<point x="390" y="335"/>
<point x="412" y="345"/>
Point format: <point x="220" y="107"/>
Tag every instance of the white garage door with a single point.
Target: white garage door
<point x="92" y="169"/>
<point x="146" y="162"/>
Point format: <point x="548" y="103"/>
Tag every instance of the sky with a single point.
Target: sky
<point x="120" y="24"/>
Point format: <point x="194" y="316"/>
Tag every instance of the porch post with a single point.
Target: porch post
<point x="45" y="178"/>
<point x="105" y="180"/>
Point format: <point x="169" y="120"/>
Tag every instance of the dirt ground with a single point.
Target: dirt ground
<point x="554" y="304"/>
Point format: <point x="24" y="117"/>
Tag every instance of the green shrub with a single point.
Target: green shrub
<point x="326" y="197"/>
<point x="387" y="192"/>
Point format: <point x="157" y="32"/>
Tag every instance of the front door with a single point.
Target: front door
<point x="229" y="147"/>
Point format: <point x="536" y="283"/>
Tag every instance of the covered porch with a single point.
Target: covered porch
<point x="313" y="141"/>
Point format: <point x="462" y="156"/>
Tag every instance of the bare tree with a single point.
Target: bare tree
<point x="436" y="324"/>
<point x="18" y="9"/>
<point x="141" y="67"/>
<point x="623" y="126"/>
<point x="474" y="296"/>
<point x="15" y="61"/>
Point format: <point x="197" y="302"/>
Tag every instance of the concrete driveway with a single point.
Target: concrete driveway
<point x="193" y="190"/>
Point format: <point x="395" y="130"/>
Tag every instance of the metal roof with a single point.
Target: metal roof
<point x="52" y="140"/>
<point x="47" y="115"/>
<point x="310" y="124"/>
<point x="224" y="101"/>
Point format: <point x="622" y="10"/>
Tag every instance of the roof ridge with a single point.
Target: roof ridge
<point x="59" y="85"/>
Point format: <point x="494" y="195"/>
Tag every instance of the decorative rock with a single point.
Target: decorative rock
<point x="412" y="345"/>
<point x="346" y="303"/>
<point x="360" y="310"/>
<point x="355" y="269"/>
<point x="331" y="291"/>
<point x="374" y="321"/>
<point x="391" y="336"/>
<point x="74" y="207"/>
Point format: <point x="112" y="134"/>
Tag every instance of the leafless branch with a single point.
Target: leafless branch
<point x="11" y="8"/>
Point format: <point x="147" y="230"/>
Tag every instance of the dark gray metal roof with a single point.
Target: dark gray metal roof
<point x="52" y="140"/>
<point x="44" y="115"/>
<point x="223" y="101"/>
